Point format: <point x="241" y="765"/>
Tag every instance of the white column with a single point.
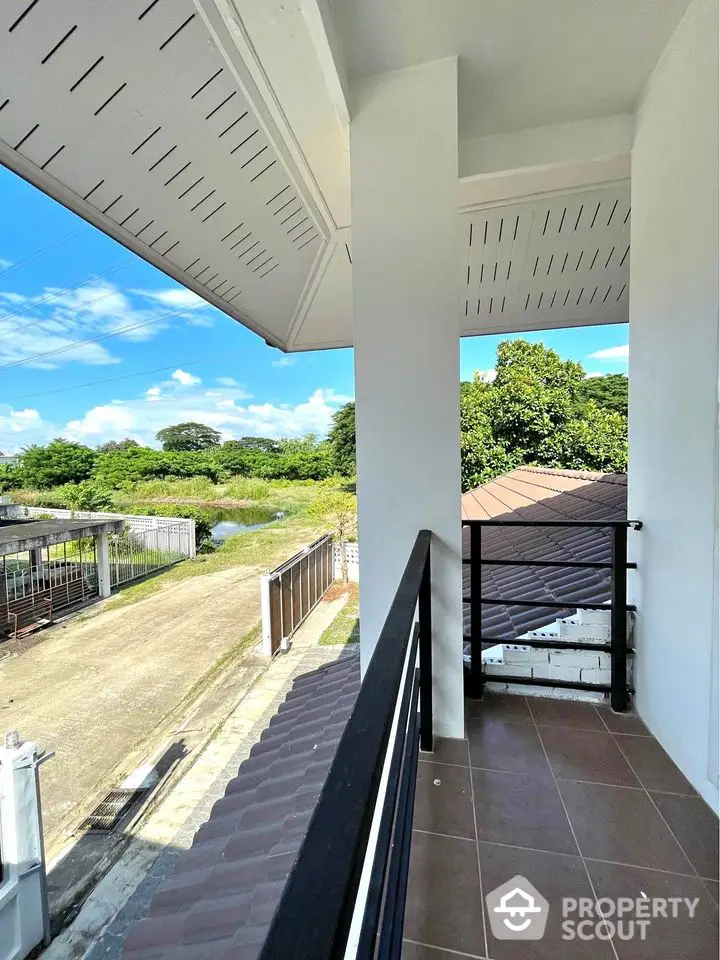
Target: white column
<point x="102" y="558"/>
<point x="673" y="469"/>
<point x="404" y="169"/>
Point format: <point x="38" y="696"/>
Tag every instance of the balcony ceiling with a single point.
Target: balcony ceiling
<point x="522" y="65"/>
<point x="179" y="128"/>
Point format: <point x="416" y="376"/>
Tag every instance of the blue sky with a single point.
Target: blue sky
<point x="162" y="357"/>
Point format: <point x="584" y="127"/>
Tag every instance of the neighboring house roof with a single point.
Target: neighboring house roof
<point x="224" y="892"/>
<point x="539" y="493"/>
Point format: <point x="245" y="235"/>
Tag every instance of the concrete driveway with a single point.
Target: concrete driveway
<point x="96" y="692"/>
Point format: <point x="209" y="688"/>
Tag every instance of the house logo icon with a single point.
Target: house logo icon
<point x="517" y="911"/>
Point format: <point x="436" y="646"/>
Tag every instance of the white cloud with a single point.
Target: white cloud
<point x="486" y="376"/>
<point x="177" y="298"/>
<point x="227" y="381"/>
<point x="612" y="353"/>
<point x="51" y="321"/>
<point x="19" y="428"/>
<point x="284" y="361"/>
<point x="593" y="376"/>
<point x="185" y="378"/>
<point x="4" y="264"/>
<point x="222" y="408"/>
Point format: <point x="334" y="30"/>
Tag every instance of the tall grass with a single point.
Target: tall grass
<point x="199" y="488"/>
<point x="246" y="488"/>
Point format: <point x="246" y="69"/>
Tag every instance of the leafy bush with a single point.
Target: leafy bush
<point x="200" y="488"/>
<point x="56" y="463"/>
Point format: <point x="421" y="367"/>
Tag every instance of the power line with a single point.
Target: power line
<point x="63" y="292"/>
<point x="40" y="252"/>
<point x="127" y="376"/>
<point x="102" y="336"/>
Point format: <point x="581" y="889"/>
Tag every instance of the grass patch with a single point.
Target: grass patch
<point x="345" y="628"/>
<point x="263" y="549"/>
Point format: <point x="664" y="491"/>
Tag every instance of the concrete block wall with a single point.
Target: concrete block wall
<point x="587" y="666"/>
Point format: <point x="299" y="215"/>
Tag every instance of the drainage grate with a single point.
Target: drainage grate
<point x="112" y="809"/>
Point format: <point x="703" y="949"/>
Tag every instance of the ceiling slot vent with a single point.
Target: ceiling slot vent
<point x="109" y="99"/>
<point x="57" y="46"/>
<point x="612" y="212"/>
<point x="52" y="157"/>
<point x="264" y="170"/>
<point x="22" y="16"/>
<point x="547" y="218"/>
<point x="163" y="157"/>
<point x="221" y="105"/>
<point x="242" y="240"/>
<point x="206" y="197"/>
<point x="146" y="140"/>
<point x="176" y="32"/>
<point x="562" y="220"/>
<point x="622" y="291"/>
<point x="597" y="210"/>
<point x="243" y="142"/>
<point x="582" y="207"/>
<point x="233" y="124"/>
<point x="213" y="212"/>
<point x="207" y="83"/>
<point x="85" y="75"/>
<point x="176" y="175"/>
<point x="147" y="10"/>
<point x="234" y="230"/>
<point x="191" y="187"/>
<point x="27" y="136"/>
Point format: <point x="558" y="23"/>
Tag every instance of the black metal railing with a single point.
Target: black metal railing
<point x="618" y="566"/>
<point x="341" y="877"/>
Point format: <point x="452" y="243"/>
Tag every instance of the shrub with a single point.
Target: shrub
<point x="243" y="488"/>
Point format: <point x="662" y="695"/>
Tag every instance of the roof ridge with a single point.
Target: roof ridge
<point x="595" y="475"/>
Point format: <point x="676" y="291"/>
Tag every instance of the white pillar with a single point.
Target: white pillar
<point x="102" y="558"/>
<point x="404" y="169"/>
<point x="673" y="469"/>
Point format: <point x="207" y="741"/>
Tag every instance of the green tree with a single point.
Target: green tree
<point x="111" y="446"/>
<point x="342" y="440"/>
<point x="534" y="413"/>
<point x="188" y="436"/>
<point x="58" y="462"/>
<point x="609" y="391"/>
<point x="339" y="510"/>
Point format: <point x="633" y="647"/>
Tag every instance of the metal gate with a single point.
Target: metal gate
<point x="60" y="577"/>
<point x="292" y="590"/>
<point x="137" y="551"/>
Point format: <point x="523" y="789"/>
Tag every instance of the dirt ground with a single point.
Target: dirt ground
<point x="97" y="691"/>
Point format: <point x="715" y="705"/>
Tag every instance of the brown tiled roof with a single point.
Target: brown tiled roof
<point x="538" y="493"/>
<point x="221" y="899"/>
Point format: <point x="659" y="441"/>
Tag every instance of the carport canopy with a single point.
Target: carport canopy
<point x="19" y="536"/>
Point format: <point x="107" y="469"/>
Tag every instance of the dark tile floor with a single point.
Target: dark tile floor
<point x="581" y="802"/>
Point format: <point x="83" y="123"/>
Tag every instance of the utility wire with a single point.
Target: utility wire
<point x="102" y="336"/>
<point x="62" y="293"/>
<point x="126" y="376"/>
<point x="40" y="252"/>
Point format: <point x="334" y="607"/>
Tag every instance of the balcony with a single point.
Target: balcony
<point x="580" y="801"/>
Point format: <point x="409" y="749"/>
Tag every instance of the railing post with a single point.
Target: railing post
<point x="425" y="645"/>
<point x="476" y="671"/>
<point x="618" y="620"/>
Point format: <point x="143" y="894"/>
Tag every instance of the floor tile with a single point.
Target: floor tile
<point x="555" y="877"/>
<point x="446" y="750"/>
<point x="681" y="937"/>
<point x="443" y="800"/>
<point x="522" y="811"/>
<point x="696" y="828"/>
<point x="586" y="755"/>
<point x="418" y="951"/>
<point x="504" y="745"/>
<point x="501" y="706"/>
<point x="565" y="713"/>
<point x="653" y="767"/>
<point x="622" y="825"/>
<point x="443" y="907"/>
<point x="622" y="722"/>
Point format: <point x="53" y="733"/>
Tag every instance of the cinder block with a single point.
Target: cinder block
<point x="593" y="675"/>
<point x="574" y="658"/>
<point x="541" y="671"/>
<point x="565" y="673"/>
<point x="507" y="669"/>
<point x="584" y="631"/>
<point x="517" y="654"/>
<point x="595" y="616"/>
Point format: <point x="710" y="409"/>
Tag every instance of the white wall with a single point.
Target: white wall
<point x="403" y="145"/>
<point x="673" y="471"/>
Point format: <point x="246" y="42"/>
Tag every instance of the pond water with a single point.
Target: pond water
<point x="228" y="522"/>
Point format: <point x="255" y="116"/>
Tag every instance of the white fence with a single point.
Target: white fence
<point x="178" y="532"/>
<point x="351" y="558"/>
